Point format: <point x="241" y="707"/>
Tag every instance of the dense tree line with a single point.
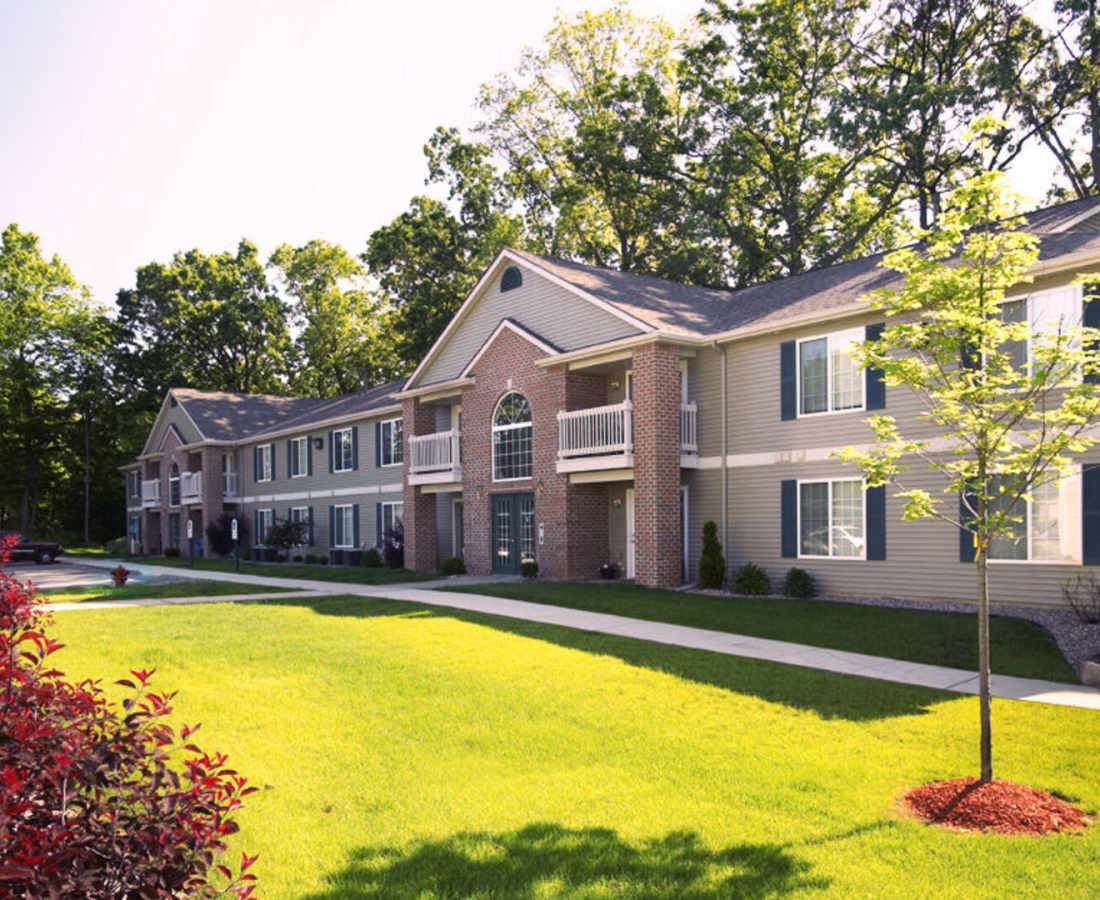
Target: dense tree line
<point x="767" y="138"/>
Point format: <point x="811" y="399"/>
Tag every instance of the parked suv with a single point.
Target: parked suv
<point x="39" y="551"/>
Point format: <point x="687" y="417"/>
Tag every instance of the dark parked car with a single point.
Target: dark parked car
<point x="39" y="551"/>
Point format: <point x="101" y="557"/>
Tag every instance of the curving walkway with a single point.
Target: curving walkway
<point x="838" y="661"/>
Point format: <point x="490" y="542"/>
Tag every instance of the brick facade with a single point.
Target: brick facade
<point x="420" y="530"/>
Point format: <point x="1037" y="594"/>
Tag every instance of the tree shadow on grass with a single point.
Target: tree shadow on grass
<point x="548" y="860"/>
<point x="829" y="695"/>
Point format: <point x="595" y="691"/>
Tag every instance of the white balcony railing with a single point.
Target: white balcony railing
<point x="150" y="492"/>
<point x="601" y="430"/>
<point x="229" y="484"/>
<point x="689" y="428"/>
<point x="190" y="487"/>
<point x="437" y="452"/>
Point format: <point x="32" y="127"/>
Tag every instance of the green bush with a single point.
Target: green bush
<point x="529" y="568"/>
<point x="116" y="547"/>
<point x="323" y="560"/>
<point x="750" y="579"/>
<point x="171" y="551"/>
<point x="298" y="559"/>
<point x="799" y="583"/>
<point x="453" y="565"/>
<point x="372" y="559"/>
<point x="280" y="557"/>
<point x="712" y="565"/>
<point x="311" y="558"/>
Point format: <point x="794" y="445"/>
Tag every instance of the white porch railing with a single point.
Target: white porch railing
<point x="435" y="452"/>
<point x="689" y="428"/>
<point x="229" y="484"/>
<point x="190" y="487"/>
<point x="599" y="430"/>
<point x="150" y="492"/>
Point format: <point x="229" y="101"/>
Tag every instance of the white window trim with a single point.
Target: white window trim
<point x="267" y="470"/>
<point x="684" y="382"/>
<point x="268" y="514"/>
<point x="798" y="516"/>
<point x="1076" y="473"/>
<point x="392" y="504"/>
<point x="382" y="431"/>
<point x="828" y="336"/>
<point x="304" y="510"/>
<point x="1028" y="300"/>
<point x="296" y="444"/>
<point x="494" y="428"/>
<point x="340" y="507"/>
<point x="337" y="463"/>
<point x="179" y="489"/>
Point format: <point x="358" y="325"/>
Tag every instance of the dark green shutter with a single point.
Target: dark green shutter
<point x="966" y="538"/>
<point x="788" y="405"/>
<point x="355" y="446"/>
<point x="355" y="525"/>
<point x="256" y="525"/>
<point x="378" y="524"/>
<point x="377" y="445"/>
<point x="274" y="468"/>
<point x="312" y="540"/>
<point x="789" y="517"/>
<point x="1090" y="518"/>
<point x="255" y="463"/>
<point x="876" y="522"/>
<point x="289" y="453"/>
<point x="309" y="456"/>
<point x="332" y="526"/>
<point x="876" y="387"/>
<point x="1091" y="319"/>
<point x="331" y="453"/>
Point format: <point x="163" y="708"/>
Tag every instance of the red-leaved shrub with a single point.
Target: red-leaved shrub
<point x="120" y="573"/>
<point x="98" y="800"/>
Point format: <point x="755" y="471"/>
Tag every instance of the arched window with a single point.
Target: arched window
<point x="511" y="279"/>
<point x="512" y="438"/>
<point x="174" y="485"/>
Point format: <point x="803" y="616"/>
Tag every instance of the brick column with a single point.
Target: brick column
<point x="657" y="465"/>
<point x="420" y="536"/>
<point x="212" y="500"/>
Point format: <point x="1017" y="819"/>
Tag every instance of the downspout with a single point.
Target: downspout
<point x="725" y="449"/>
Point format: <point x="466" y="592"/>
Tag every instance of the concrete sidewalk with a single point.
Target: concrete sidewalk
<point x="838" y="661"/>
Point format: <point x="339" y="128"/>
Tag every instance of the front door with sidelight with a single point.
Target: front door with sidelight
<point x="513" y="531"/>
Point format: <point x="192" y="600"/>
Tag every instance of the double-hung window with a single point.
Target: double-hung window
<point x="829" y="378"/>
<point x="1047" y="528"/>
<point x="831" y="519"/>
<point x="134" y="481"/>
<point x="1047" y="313"/>
<point x="299" y="465"/>
<point x="301" y="514"/>
<point x="174" y="486"/>
<point x="391" y="514"/>
<point x="390" y="435"/>
<point x="263" y="463"/>
<point x="265" y="521"/>
<point x="344" y="522"/>
<point x="512" y="438"/>
<point x="342" y="451"/>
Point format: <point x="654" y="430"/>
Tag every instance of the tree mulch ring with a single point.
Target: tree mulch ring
<point x="999" y="806"/>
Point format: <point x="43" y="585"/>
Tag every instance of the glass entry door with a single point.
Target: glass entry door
<point x="513" y="531"/>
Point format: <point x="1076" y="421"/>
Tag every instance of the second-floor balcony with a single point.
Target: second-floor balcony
<point x="229" y="485"/>
<point x="191" y="487"/>
<point x="602" y="437"/>
<point x="150" y="492"/>
<point x="435" y="458"/>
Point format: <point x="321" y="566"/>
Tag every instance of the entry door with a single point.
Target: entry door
<point x="457" y="530"/>
<point x="513" y="531"/>
<point x="630" y="532"/>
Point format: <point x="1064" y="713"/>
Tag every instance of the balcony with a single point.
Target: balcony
<point x="229" y="485"/>
<point x="436" y="458"/>
<point x="150" y="492"/>
<point x="602" y="437"/>
<point x="191" y="487"/>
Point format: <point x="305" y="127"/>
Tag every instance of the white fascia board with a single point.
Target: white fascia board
<point x="628" y="343"/>
<point x="438" y="390"/>
<point x="517" y="329"/>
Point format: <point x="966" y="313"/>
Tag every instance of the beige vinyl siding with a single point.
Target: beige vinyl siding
<point x="553" y="313"/>
<point x="616" y="543"/>
<point x="444" y="527"/>
<point x="172" y="415"/>
<point x="322" y="538"/>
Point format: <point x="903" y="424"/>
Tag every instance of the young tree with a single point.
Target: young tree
<point x="1012" y="398"/>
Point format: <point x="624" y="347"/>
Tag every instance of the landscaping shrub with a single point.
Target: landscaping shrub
<point x="99" y="800"/>
<point x="799" y="583"/>
<point x="529" y="568"/>
<point x="219" y="534"/>
<point x="311" y="559"/>
<point x="453" y="565"/>
<point x="298" y="558"/>
<point x="609" y="571"/>
<point x="284" y="535"/>
<point x="246" y="553"/>
<point x="751" y="580"/>
<point x="393" y="546"/>
<point x="116" y="547"/>
<point x="712" y="565"/>
<point x="371" y="558"/>
<point x="322" y="560"/>
<point x="171" y="551"/>
<point x="280" y="557"/>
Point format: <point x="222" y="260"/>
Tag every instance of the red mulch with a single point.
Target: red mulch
<point x="998" y="806"/>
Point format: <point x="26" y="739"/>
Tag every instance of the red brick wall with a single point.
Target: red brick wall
<point x="212" y="500"/>
<point x="420" y="531"/>
<point x="658" y="539"/>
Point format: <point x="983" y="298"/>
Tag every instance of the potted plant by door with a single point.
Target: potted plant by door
<point x="528" y="568"/>
<point x="609" y="571"/>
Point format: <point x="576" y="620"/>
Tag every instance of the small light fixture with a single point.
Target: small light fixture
<point x="318" y="443"/>
<point x="617" y="502"/>
<point x="615" y="384"/>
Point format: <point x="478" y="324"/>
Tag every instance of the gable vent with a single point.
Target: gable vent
<point x="512" y="278"/>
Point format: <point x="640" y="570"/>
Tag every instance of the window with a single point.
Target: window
<point x="830" y="519"/>
<point x="299" y="464"/>
<point x="173" y="529"/>
<point x="1049" y="525"/>
<point x="392" y="514"/>
<point x="263" y="463"/>
<point x="511" y="279"/>
<point x="829" y="378"/>
<point x="301" y="514"/>
<point x="133" y="480"/>
<point x="265" y="519"/>
<point x="526" y="528"/>
<point x="229" y="475"/>
<point x="343" y="459"/>
<point x="391" y="452"/>
<point x="512" y="438"/>
<point x="1048" y="312"/>
<point x="174" y="487"/>
<point x="344" y="520"/>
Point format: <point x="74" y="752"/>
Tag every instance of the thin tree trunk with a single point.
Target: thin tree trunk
<point x="87" y="480"/>
<point x="984" y="699"/>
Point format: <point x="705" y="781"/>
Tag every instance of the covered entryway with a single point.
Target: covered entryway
<point x="513" y="531"/>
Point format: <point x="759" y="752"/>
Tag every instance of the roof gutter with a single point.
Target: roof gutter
<point x="440" y="387"/>
<point x="628" y="343"/>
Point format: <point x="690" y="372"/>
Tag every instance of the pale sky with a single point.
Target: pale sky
<point x="131" y="130"/>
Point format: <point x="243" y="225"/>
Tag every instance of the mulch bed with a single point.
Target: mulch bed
<point x="999" y="806"/>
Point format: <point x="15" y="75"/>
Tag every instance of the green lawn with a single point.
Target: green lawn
<point x="945" y="639"/>
<point x="408" y="752"/>
<point x="345" y="574"/>
<point x="85" y="551"/>
<point x="140" y="591"/>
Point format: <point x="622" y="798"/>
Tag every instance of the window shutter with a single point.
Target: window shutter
<point x="788" y="406"/>
<point x="288" y="455"/>
<point x="378" y="524"/>
<point x="355" y="524"/>
<point x="331" y="454"/>
<point x="875" y="499"/>
<point x="789" y="517"/>
<point x="274" y="468"/>
<point x="377" y="445"/>
<point x="311" y="541"/>
<point x="355" y="446"/>
<point x="1090" y="518"/>
<point x="876" y="387"/>
<point x="966" y="538"/>
<point x="309" y="455"/>
<point x="255" y="463"/>
<point x="256" y="525"/>
<point x="1091" y="319"/>
<point x="332" y="526"/>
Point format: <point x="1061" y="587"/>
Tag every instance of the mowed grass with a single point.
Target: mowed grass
<point x="944" y="639"/>
<point x="143" y="591"/>
<point x="344" y="574"/>
<point x="408" y="752"/>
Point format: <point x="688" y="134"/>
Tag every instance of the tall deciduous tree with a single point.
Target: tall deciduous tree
<point x="1011" y="419"/>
